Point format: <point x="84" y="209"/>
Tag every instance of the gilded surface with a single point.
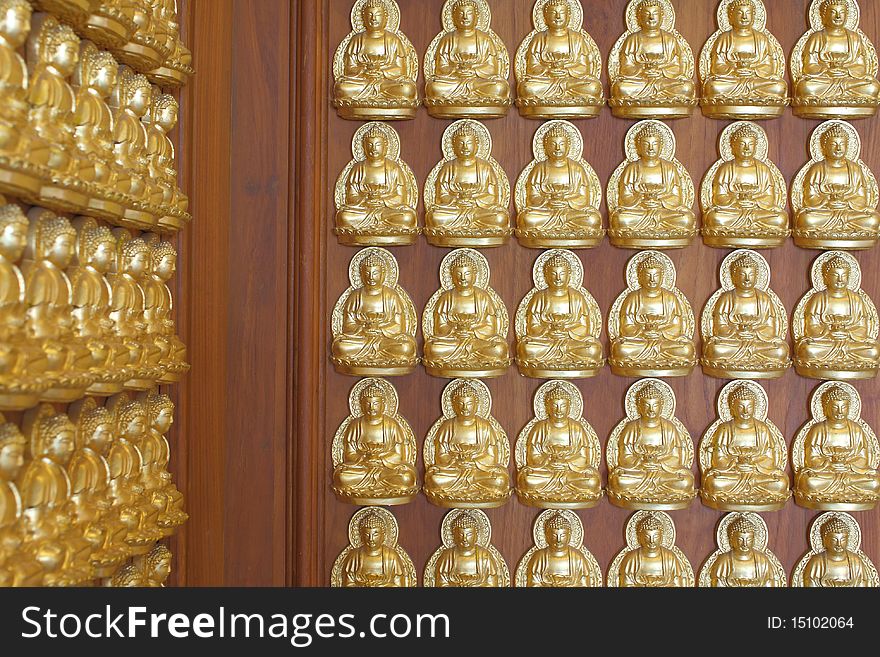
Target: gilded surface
<point x="742" y="559"/>
<point x="373" y="557"/>
<point x="835" y="558"/>
<point x="650" y="558"/>
<point x="467" y="557"/>
<point x="558" y="558"/>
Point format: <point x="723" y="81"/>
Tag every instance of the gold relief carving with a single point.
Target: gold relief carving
<point x="834" y="65"/>
<point x="835" y="196"/>
<point x="743" y="194"/>
<point x="558" y="194"/>
<point x="144" y="50"/>
<point x="836" y="454"/>
<point x="651" y="66"/>
<point x="467" y="194"/>
<point x="177" y="67"/>
<point x="167" y="197"/>
<point x="467" y="65"/>
<point x="558" y="65"/>
<point x="152" y="569"/>
<point x="651" y="324"/>
<point x="465" y="322"/>
<point x="742" y="65"/>
<point x="558" y="322"/>
<point x="466" y="452"/>
<point x="650" y="558"/>
<point x="558" y="559"/>
<point x="744" y="324"/>
<point x="374" y="449"/>
<point x="558" y="452"/>
<point x="374" y="322"/>
<point x="373" y="557"/>
<point x="467" y="557"/>
<point x="110" y="24"/>
<point x="835" y="323"/>
<point x="159" y="307"/>
<point x="743" y="454"/>
<point x="742" y="559"/>
<point x="835" y="558"/>
<point x="375" y="67"/>
<point x="376" y="193"/>
<point x="650" y="194"/>
<point x="650" y="453"/>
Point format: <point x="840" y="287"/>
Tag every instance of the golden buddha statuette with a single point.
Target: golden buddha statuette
<point x="558" y="452"/>
<point x="177" y="67"/>
<point x="650" y="194"/>
<point x="171" y="202"/>
<point x="558" y="194"/>
<point x="375" y="67"/>
<point x="835" y="195"/>
<point x="154" y="567"/>
<point x="742" y="559"/>
<point x="159" y="309"/>
<point x="742" y="65"/>
<point x="466" y="452"/>
<point x="650" y="453"/>
<point x="651" y="66"/>
<point x="650" y="558"/>
<point x="834" y="65"/>
<point x="374" y="449"/>
<point x="467" y="65"/>
<point x="836" y="454"/>
<point x="558" y="65"/>
<point x="467" y="558"/>
<point x="467" y="194"/>
<point x="465" y="322"/>
<point x="157" y="454"/>
<point x="144" y="50"/>
<point x="651" y="324"/>
<point x="743" y="194"/>
<point x="835" y="558"/>
<point x="558" y="559"/>
<point x="744" y="324"/>
<point x="374" y="322"/>
<point x="129" y="576"/>
<point x="558" y="322"/>
<point x="373" y="557"/>
<point x="743" y="454"/>
<point x="110" y="24"/>
<point x="835" y="323"/>
<point x="376" y="194"/>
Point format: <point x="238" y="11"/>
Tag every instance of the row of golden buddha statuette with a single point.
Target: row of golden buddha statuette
<point x="83" y="492"/>
<point x="558" y="558"/>
<point x="84" y="309"/>
<point x="143" y="34"/>
<point x="651" y="67"/>
<point x="651" y="325"/>
<point x="79" y="132"/>
<point x="649" y="453"/>
<point x="650" y="195"/>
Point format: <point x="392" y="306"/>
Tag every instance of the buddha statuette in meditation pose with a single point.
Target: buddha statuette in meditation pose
<point x="467" y="194"/>
<point x="157" y="454"/>
<point x="465" y="322"/>
<point x="177" y="67"/>
<point x="834" y="65"/>
<point x="376" y="194"/>
<point x="558" y="558"/>
<point x="744" y="324"/>
<point x="466" y="452"/>
<point x="742" y="65"/>
<point x="374" y="449"/>
<point x="558" y="322"/>
<point x="835" y="194"/>
<point x="373" y="558"/>
<point x="170" y="200"/>
<point x="650" y="453"/>
<point x="375" y="66"/>
<point x="742" y="559"/>
<point x="743" y="194"/>
<point x="650" y="558"/>
<point x="650" y="194"/>
<point x="374" y="321"/>
<point x="558" y="452"/>
<point x="835" y="558"/>
<point x="467" y="65"/>
<point x="558" y="65"/>
<point x="558" y="194"/>
<point x="159" y="307"/>
<point x="835" y="323"/>
<point x="651" y="324"/>
<point x="467" y="558"/>
<point x="743" y="454"/>
<point x="836" y="454"/>
<point x="651" y="66"/>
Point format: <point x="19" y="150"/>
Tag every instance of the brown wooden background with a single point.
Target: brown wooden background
<point x="262" y="270"/>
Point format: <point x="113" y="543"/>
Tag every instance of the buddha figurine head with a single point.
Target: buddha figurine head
<point x="375" y="144"/>
<point x="129" y="576"/>
<point x="57" y="47"/>
<point x="835" y="143"/>
<point x="465" y="142"/>
<point x="741" y="14"/>
<point x="835" y="536"/>
<point x="372" y="402"/>
<point x="164" y="259"/>
<point x="557" y="14"/>
<point x="133" y="92"/>
<point x="372" y="271"/>
<point x="54" y="239"/>
<point x="741" y="534"/>
<point x="835" y="273"/>
<point x="374" y="15"/>
<point x="650" y="273"/>
<point x="96" y="247"/>
<point x="161" y="411"/>
<point x="163" y="112"/>
<point x="54" y="436"/>
<point x="557" y="272"/>
<point x="131" y="420"/>
<point x="13" y="232"/>
<point x="649" y="401"/>
<point x="372" y="531"/>
<point x="556" y="143"/>
<point x="649" y="532"/>
<point x="834" y="13"/>
<point x="464" y="531"/>
<point x="744" y="273"/>
<point x="464" y="272"/>
<point x="12" y="450"/>
<point x="157" y="565"/>
<point x="744" y="143"/>
<point x="649" y="15"/>
<point x="98" y="70"/>
<point x="835" y="403"/>
<point x="136" y="259"/>
<point x="649" y="142"/>
<point x="96" y="429"/>
<point x="464" y="14"/>
<point x="557" y="402"/>
<point x="557" y="531"/>
<point x="465" y="401"/>
<point x="742" y="403"/>
<point x="15" y="21"/>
